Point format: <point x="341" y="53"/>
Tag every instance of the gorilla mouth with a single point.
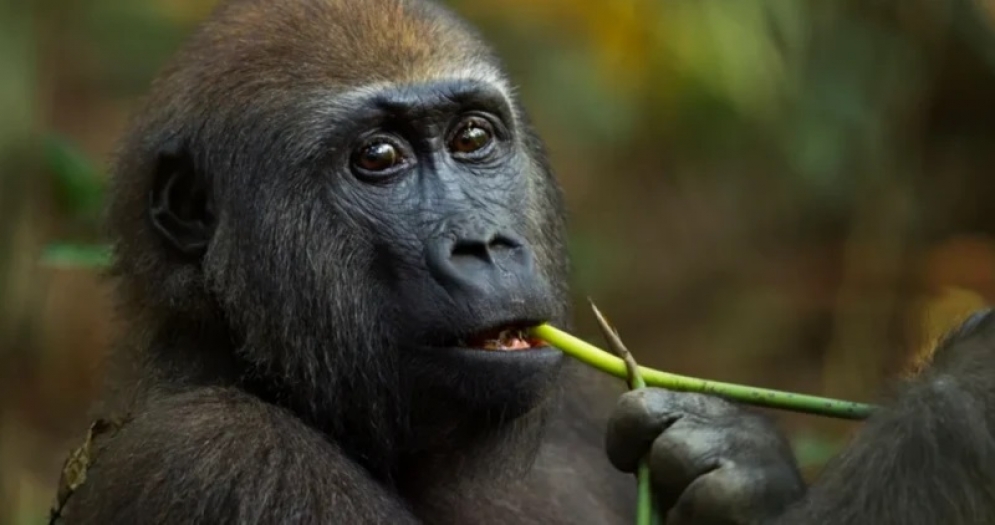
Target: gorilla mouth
<point x="506" y="338"/>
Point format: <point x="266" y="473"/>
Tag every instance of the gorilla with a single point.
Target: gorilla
<point x="333" y="225"/>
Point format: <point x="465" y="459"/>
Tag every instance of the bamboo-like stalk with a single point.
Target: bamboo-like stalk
<point x="608" y="363"/>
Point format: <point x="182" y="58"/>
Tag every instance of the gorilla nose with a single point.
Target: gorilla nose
<point x="482" y="261"/>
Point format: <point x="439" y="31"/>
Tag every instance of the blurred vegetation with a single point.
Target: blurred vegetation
<point x="793" y="194"/>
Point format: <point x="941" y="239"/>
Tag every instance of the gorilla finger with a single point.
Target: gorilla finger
<point x="682" y="454"/>
<point x="641" y="415"/>
<point x="720" y="496"/>
<point x="731" y="494"/>
<point x="634" y="424"/>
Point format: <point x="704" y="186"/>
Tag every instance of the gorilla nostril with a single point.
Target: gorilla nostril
<point x="465" y="249"/>
<point x="502" y="242"/>
<point x="479" y="260"/>
<point x="482" y="250"/>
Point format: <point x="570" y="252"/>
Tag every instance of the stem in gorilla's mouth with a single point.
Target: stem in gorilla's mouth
<point x="505" y="339"/>
<point x="606" y="362"/>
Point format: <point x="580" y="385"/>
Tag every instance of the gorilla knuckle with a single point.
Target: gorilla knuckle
<point x="633" y="403"/>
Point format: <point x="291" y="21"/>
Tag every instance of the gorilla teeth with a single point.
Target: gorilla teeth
<point x="506" y="340"/>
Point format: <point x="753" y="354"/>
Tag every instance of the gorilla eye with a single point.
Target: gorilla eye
<point x="377" y="156"/>
<point x="472" y="136"/>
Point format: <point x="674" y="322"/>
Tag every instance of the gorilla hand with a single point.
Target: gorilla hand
<point x="710" y="461"/>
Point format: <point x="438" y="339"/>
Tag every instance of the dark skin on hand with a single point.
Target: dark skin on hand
<point x="332" y="223"/>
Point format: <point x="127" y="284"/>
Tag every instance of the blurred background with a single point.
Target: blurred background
<point x="785" y="193"/>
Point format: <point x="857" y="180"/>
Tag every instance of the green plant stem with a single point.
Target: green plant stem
<point x="604" y="361"/>
<point x="646" y="512"/>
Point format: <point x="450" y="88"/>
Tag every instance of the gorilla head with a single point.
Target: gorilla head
<point x="344" y="211"/>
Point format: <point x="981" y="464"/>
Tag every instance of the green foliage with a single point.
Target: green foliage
<point x="80" y="191"/>
<point x="78" y="184"/>
<point x="76" y="255"/>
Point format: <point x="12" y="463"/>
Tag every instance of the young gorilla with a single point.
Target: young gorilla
<point x="332" y="223"/>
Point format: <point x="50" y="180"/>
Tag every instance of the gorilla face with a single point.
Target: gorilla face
<point x="355" y="225"/>
<point x="434" y="182"/>
<point x="435" y="178"/>
<point x="438" y="178"/>
<point x="398" y="238"/>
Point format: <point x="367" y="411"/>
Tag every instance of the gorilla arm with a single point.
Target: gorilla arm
<point x="221" y="456"/>
<point x="928" y="457"/>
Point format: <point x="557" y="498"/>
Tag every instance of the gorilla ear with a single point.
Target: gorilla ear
<point x="181" y="206"/>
